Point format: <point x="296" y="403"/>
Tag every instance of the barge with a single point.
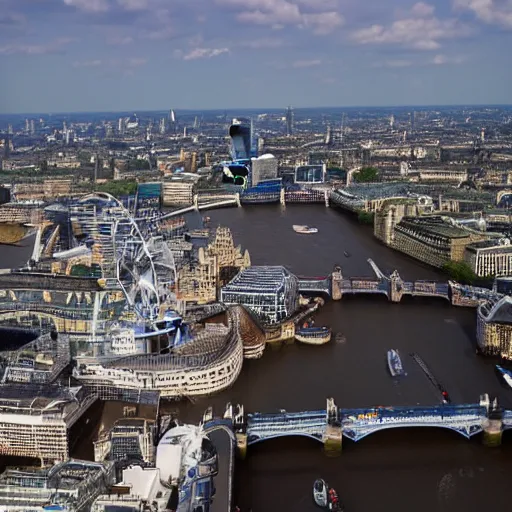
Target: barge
<point x="313" y="335"/>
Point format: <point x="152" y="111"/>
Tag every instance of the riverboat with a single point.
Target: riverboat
<point x="320" y="490"/>
<point x="313" y="335"/>
<point x="304" y="230"/>
<point x="199" y="233"/>
<point x="506" y="374"/>
<point x="395" y="363"/>
<point x="326" y="497"/>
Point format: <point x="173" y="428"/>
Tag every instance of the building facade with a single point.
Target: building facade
<point x="433" y="240"/>
<point x="270" y="292"/>
<point x="494" y="327"/>
<point x="35" y="420"/>
<point x="489" y="258"/>
<point x="263" y="168"/>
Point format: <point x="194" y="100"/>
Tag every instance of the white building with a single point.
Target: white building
<point x="490" y="258"/>
<point x="263" y="168"/>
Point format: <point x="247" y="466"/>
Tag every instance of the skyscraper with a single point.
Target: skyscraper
<point x="241" y="138"/>
<point x="290" y="118"/>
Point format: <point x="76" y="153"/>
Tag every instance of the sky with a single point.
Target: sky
<point x="122" y="55"/>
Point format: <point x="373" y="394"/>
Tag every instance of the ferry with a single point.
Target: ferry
<point x="395" y="363"/>
<point x="506" y="374"/>
<point x="304" y="230"/>
<point x="313" y="335"/>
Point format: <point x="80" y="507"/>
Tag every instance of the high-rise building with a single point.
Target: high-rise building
<point x="32" y="127"/>
<point x="121" y="124"/>
<point x="27" y="126"/>
<point x="263" y="168"/>
<point x="290" y="121"/>
<point x="161" y="126"/>
<point x="241" y="137"/>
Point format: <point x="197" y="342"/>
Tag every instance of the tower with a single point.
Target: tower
<point x="240" y="133"/>
<point x="290" y="118"/>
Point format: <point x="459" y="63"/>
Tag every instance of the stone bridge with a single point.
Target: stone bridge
<point x="331" y="424"/>
<point x="393" y="287"/>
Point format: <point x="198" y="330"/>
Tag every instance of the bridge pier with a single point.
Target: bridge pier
<point x="240" y="428"/>
<point x="282" y="199"/>
<point x="493" y="425"/>
<point x="396" y="287"/>
<point x="333" y="436"/>
<point x="337" y="283"/>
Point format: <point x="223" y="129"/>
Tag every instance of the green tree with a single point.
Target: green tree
<point x="118" y="188"/>
<point x="366" y="175"/>
<point x="365" y="217"/>
<point x="460" y="271"/>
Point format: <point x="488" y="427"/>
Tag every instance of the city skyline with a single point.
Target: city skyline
<point x="117" y="55"/>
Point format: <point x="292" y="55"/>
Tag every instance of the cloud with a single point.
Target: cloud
<point x="134" y="5"/>
<point x="324" y="22"/>
<point x="265" y="42"/>
<point x="322" y="17"/>
<point x="437" y="60"/>
<point x="306" y="63"/>
<point x="89" y="5"/>
<point x="120" y="40"/>
<point x="441" y="60"/>
<point x="421" y="30"/>
<point x="54" y="47"/>
<point x="394" y="63"/>
<point x="204" y="53"/>
<point x="497" y="12"/>
<point x="87" y="64"/>
<point x="11" y="19"/>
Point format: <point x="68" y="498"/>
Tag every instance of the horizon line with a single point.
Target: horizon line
<point x="432" y="105"/>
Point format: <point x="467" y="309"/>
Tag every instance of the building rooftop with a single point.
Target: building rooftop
<point x="259" y="280"/>
<point x="435" y="226"/>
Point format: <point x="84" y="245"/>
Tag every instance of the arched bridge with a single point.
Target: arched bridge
<point x="332" y="423"/>
<point x="392" y="286"/>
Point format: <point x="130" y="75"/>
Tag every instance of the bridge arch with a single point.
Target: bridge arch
<point x="251" y="442"/>
<point x="464" y="432"/>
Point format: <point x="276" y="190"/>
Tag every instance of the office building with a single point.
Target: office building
<point x="263" y="168"/>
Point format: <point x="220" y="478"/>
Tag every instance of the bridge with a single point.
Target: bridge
<point x="49" y="282"/>
<point x="392" y="286"/>
<point x="331" y="424"/>
<point x="231" y="201"/>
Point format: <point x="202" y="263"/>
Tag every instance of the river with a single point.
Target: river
<point x="397" y="470"/>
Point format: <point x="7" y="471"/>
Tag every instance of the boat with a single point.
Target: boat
<point x="320" y="493"/>
<point x="395" y="363"/>
<point x="347" y="254"/>
<point x="506" y="374"/>
<point x="304" y="230"/>
<point x="326" y="497"/>
<point x="313" y="335"/>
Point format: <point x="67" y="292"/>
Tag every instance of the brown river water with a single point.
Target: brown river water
<point x="397" y="470"/>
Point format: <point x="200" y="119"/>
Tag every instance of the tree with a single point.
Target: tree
<point x="118" y="188"/>
<point x="460" y="271"/>
<point x="366" y="175"/>
<point x="365" y="217"/>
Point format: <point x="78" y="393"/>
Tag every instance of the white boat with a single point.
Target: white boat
<point x="395" y="363"/>
<point x="320" y="489"/>
<point x="304" y="230"/>
<point x="506" y="374"/>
